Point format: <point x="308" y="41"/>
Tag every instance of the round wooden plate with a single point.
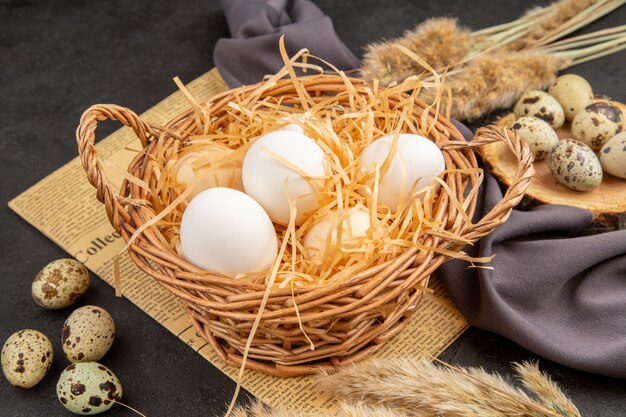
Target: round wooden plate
<point x="608" y="198"/>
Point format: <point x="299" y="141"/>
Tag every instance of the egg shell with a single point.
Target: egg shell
<point x="572" y="92"/>
<point x="537" y="133"/>
<point x="88" y="388"/>
<point x="575" y="165"/>
<point x="597" y="123"/>
<point x="265" y="177"/>
<point x="60" y="283"/>
<point x="26" y="358"/>
<point x="353" y="227"/>
<point x="225" y="231"/>
<point x="613" y="155"/>
<point x="417" y="160"/>
<point x="289" y="125"/>
<point x="88" y="333"/>
<point x="541" y="105"/>
<point x="200" y="178"/>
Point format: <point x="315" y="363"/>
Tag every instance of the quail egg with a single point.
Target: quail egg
<point x="26" y="358"/>
<point x="60" y="283"/>
<point x="613" y="155"/>
<point x="88" y="388"/>
<point x="596" y="123"/>
<point x="537" y="133"/>
<point x="575" y="165"/>
<point x="542" y="105"/>
<point x="88" y="334"/>
<point x="572" y="92"/>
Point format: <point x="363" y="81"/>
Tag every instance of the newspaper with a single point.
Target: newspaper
<point x="64" y="208"/>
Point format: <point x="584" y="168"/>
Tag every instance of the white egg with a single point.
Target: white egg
<point x="415" y="163"/>
<point x="205" y="176"/>
<point x="290" y="126"/>
<point x="353" y="227"/>
<point x="265" y="175"/>
<point x="226" y="231"/>
<point x="293" y="127"/>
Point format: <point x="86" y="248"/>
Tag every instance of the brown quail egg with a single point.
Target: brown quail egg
<point x="537" y="133"/>
<point x="575" y="165"/>
<point x="88" y="388"/>
<point x="541" y="105"/>
<point x="60" y="283"/>
<point x="613" y="155"/>
<point x="88" y="334"/>
<point x="596" y="123"/>
<point x="572" y="92"/>
<point x="26" y="358"/>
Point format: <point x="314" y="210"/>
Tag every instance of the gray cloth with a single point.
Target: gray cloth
<point x="558" y="294"/>
<point x="552" y="291"/>
<point x="256" y="27"/>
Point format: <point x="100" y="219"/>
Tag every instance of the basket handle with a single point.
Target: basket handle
<point x="501" y="211"/>
<point x="85" y="139"/>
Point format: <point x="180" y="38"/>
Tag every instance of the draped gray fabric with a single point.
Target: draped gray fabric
<point x="553" y="291"/>
<point x="559" y="294"/>
<point x="256" y="26"/>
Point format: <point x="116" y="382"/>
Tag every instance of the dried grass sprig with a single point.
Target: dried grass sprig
<point x="546" y="390"/>
<point x="418" y="384"/>
<point x="473" y="87"/>
<point x="419" y="388"/>
<point x="495" y="81"/>
<point x="439" y="41"/>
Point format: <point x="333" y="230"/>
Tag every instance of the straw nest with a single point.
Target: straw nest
<point x="304" y="314"/>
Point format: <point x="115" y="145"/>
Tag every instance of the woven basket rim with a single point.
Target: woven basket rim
<point x="183" y="279"/>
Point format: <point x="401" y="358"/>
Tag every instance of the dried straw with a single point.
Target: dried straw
<point x="342" y="134"/>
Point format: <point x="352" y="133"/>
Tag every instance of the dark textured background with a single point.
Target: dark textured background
<point x="58" y="57"/>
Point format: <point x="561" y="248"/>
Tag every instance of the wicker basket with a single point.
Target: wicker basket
<point x="346" y="320"/>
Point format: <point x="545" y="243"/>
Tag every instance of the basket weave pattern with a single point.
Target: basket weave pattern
<point x="345" y="320"/>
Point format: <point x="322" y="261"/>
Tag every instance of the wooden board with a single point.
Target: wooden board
<point x="608" y="198"/>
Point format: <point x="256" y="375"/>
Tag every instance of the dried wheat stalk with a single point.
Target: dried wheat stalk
<point x="419" y="388"/>
<point x="479" y="64"/>
<point x="411" y="384"/>
<point x="439" y="41"/>
<point x="546" y="390"/>
<point x="495" y="81"/>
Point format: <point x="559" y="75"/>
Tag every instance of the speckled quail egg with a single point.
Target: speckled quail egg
<point x="572" y="92"/>
<point x="88" y="388"/>
<point x="542" y="105"/>
<point x="88" y="334"/>
<point x="26" y="358"/>
<point x="60" y="283"/>
<point x="596" y="123"/>
<point x="537" y="133"/>
<point x="613" y="155"/>
<point x="575" y="165"/>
